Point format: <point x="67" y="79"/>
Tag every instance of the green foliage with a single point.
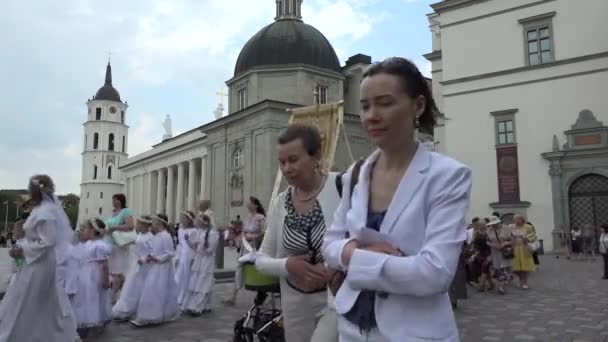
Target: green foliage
<point x="70" y="205"/>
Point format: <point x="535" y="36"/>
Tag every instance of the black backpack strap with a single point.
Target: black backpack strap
<point x="354" y="179"/>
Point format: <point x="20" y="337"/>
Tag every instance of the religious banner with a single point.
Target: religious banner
<point x="327" y="118"/>
<point x="508" y="174"/>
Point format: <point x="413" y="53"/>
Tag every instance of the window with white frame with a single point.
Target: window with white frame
<point x="322" y="93"/>
<point x="238" y="159"/>
<point x="242" y="99"/>
<point x="538" y="39"/>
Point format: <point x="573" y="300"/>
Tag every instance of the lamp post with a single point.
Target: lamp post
<point x="6" y="217"/>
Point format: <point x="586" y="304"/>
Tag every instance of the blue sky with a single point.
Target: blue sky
<point x="168" y="57"/>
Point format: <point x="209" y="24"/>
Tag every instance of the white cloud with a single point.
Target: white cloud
<point x="147" y="131"/>
<point x="70" y="151"/>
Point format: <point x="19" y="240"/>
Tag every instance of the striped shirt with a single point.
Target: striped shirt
<point x="303" y="233"/>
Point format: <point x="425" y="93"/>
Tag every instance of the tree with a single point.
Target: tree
<point x="70" y="205"/>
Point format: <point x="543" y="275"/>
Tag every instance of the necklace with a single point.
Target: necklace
<point x="315" y="193"/>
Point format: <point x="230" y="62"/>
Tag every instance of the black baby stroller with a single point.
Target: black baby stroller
<point x="263" y="320"/>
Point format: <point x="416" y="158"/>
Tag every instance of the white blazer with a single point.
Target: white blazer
<point x="426" y="221"/>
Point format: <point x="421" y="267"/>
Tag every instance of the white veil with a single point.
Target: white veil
<point x="65" y="234"/>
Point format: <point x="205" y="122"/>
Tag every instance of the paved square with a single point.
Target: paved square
<point x="567" y="302"/>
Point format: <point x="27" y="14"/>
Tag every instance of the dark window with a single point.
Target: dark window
<point x="505" y="132"/>
<point x="539" y="45"/>
<point x="94" y="171"/>
<point x="95" y="141"/>
<point x="122" y="116"/>
<point x="97" y="113"/>
<point x="111" y="142"/>
<point x="100" y="211"/>
<point x="101" y="195"/>
<point x="87" y="195"/>
<point x="109" y="172"/>
<point x="123" y="144"/>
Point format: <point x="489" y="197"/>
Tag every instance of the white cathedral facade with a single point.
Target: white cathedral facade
<point x="106" y="138"/>
<point x="287" y="64"/>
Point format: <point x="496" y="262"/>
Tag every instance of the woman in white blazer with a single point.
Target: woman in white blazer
<point x="396" y="288"/>
<point x="292" y="244"/>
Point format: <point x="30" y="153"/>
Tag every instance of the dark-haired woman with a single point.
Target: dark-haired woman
<point x="35" y="308"/>
<point x="405" y="219"/>
<point x="292" y="243"/>
<point x="122" y="258"/>
<point x="204" y="242"/>
<point x="252" y="232"/>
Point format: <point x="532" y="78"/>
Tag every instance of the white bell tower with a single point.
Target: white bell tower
<point x="104" y="149"/>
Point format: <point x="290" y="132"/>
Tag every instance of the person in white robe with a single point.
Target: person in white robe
<point x="126" y="306"/>
<point x="94" y="280"/>
<point x="158" y="301"/>
<point x="35" y="294"/>
<point x="204" y="242"/>
<point x="75" y="263"/>
<point x="184" y="254"/>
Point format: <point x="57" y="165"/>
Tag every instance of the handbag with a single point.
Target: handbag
<point x="533" y="246"/>
<point x="122" y="239"/>
<point x="507" y="251"/>
<point x="336" y="279"/>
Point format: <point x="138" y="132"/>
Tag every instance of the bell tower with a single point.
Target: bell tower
<point x="104" y="149"/>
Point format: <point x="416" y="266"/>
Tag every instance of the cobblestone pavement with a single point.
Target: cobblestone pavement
<point x="567" y="302"/>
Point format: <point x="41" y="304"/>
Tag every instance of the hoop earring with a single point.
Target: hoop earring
<point x="417" y="122"/>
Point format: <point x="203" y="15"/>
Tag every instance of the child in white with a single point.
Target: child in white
<point x="19" y="235"/>
<point x="94" y="279"/>
<point x="185" y="254"/>
<point x="204" y="242"/>
<point x="126" y="306"/>
<point x="158" y="300"/>
<point x="75" y="266"/>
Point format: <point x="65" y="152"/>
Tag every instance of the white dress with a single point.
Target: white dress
<point x="158" y="301"/>
<point x="96" y="308"/>
<point x="75" y="263"/>
<point x="35" y="309"/>
<point x="126" y="305"/>
<point x="185" y="255"/>
<point x="198" y="296"/>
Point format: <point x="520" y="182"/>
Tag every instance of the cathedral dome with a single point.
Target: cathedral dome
<point x="107" y="92"/>
<point x="284" y="42"/>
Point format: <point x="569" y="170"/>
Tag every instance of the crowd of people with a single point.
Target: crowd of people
<point x="497" y="253"/>
<point x="366" y="255"/>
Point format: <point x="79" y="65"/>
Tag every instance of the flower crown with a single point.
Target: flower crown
<point x="96" y="227"/>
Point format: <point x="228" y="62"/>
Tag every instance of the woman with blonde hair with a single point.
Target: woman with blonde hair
<point x="523" y="238"/>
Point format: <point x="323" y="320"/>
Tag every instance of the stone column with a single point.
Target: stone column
<point x="170" y="192"/>
<point x="180" y="189"/>
<point x="149" y="184"/>
<point x="160" y="192"/>
<point x="191" y="184"/>
<point x="204" y="194"/>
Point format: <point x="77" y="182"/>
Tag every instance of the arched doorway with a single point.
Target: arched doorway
<point x="588" y="202"/>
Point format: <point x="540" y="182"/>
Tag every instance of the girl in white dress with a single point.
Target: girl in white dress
<point x="94" y="279"/>
<point x="75" y="262"/>
<point x="204" y="242"/>
<point x="35" y="309"/>
<point x="126" y="306"/>
<point x="184" y="254"/>
<point x="158" y="301"/>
